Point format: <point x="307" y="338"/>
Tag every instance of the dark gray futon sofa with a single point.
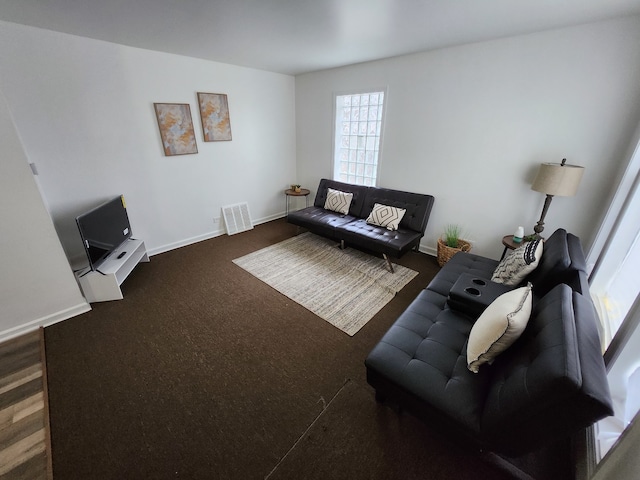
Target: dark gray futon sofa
<point x="549" y="384"/>
<point x="352" y="228"/>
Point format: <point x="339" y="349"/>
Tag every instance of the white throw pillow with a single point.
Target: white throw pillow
<point x="498" y="327"/>
<point x="338" y="201"/>
<point x="519" y="263"/>
<point x="386" y="216"/>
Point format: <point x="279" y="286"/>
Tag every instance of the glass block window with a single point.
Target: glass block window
<point x="357" y="137"/>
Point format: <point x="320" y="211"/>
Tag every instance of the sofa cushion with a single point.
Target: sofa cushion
<point x="338" y="201"/>
<point x="498" y="327"/>
<point x="424" y="353"/>
<point x="320" y="220"/>
<point x="377" y="239"/>
<point x="519" y="263"/>
<point x="386" y="216"/>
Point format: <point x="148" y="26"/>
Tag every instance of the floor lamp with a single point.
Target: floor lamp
<point x="555" y="179"/>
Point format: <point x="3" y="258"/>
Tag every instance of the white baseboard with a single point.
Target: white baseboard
<point x="44" y="321"/>
<point x="206" y="236"/>
<point x="428" y="250"/>
<point x="270" y="218"/>
<point x="183" y="243"/>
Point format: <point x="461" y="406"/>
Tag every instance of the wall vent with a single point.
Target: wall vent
<point x="237" y="218"/>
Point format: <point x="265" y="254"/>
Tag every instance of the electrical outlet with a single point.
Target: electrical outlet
<point x="216" y="220"/>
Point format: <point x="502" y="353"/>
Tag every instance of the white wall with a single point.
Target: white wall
<point x="471" y="124"/>
<point x="84" y="111"/>
<point x="37" y="286"/>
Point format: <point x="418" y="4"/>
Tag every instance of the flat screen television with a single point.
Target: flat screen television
<point x="103" y="229"/>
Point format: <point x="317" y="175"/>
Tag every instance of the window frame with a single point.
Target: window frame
<point x="334" y="138"/>
<point x="610" y="250"/>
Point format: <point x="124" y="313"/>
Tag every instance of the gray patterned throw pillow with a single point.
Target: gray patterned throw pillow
<point x="386" y="216"/>
<point x="338" y="201"/>
<point x="513" y="268"/>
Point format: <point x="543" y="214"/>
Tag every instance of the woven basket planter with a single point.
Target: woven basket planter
<point x="445" y="252"/>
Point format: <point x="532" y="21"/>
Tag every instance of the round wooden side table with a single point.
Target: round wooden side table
<point x="292" y="193"/>
<point x="509" y="244"/>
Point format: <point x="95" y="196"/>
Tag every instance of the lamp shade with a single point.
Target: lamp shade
<point x="558" y="179"/>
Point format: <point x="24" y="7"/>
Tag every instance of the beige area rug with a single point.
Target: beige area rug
<point x="344" y="287"/>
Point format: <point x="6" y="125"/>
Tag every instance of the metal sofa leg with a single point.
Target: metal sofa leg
<point x="389" y="264"/>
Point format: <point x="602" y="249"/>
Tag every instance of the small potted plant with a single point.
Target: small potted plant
<point x="295" y="187"/>
<point x="450" y="243"/>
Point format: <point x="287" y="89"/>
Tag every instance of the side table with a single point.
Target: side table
<point x="509" y="244"/>
<point x="292" y="193"/>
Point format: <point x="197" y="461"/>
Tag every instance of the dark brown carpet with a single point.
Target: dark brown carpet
<point x="203" y="371"/>
<point x="356" y="438"/>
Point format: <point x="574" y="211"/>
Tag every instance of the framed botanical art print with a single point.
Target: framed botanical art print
<point x="176" y="128"/>
<point x="214" y="113"/>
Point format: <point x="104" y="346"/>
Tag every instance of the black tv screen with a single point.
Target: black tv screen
<point x="103" y="229"/>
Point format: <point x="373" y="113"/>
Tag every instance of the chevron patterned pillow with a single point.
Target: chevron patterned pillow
<point x="338" y="201"/>
<point x="386" y="216"/>
<point x="513" y="268"/>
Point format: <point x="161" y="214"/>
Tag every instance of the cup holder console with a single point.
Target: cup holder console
<point x="472" y="295"/>
<point x="473" y="290"/>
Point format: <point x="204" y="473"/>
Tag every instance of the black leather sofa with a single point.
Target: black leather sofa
<point x="352" y="229"/>
<point x="549" y="384"/>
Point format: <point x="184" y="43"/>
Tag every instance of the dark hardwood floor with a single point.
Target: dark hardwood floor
<point x="24" y="437"/>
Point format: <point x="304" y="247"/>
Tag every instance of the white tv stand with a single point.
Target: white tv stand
<point x="104" y="283"/>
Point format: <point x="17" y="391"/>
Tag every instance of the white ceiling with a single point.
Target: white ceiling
<point x="298" y="36"/>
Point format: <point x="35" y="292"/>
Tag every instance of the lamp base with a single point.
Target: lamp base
<point x="539" y="227"/>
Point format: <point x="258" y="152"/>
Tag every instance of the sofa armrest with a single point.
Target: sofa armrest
<point x="562" y="262"/>
<point x="460" y="264"/>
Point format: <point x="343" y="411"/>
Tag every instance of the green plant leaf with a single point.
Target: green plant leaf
<point x="452" y="234"/>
